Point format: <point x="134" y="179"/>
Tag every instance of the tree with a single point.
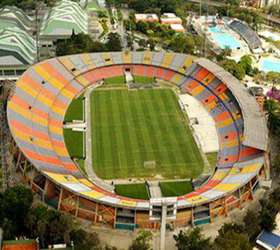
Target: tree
<point x="142" y="241"/>
<point x="152" y="43"/>
<point x="190" y="45"/>
<point x="232" y="237"/>
<point x="142" y="43"/>
<point x="234" y="68"/>
<point x="16" y="203"/>
<point x="251" y="222"/>
<point x="191" y="240"/>
<point x="83" y="240"/>
<point x="178" y="43"/>
<point x="246" y="63"/>
<point x="267" y="219"/>
<point x="80" y="43"/>
<point x="114" y="42"/>
<point x="50" y="225"/>
<point x="273" y="110"/>
<point x="232" y="241"/>
<point x="224" y="54"/>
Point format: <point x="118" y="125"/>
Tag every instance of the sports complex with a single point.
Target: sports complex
<point x="76" y="125"/>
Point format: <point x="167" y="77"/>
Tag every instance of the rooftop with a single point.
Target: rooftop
<point x="64" y="19"/>
<point x="11" y="16"/>
<point x="148" y="17"/>
<point x="16" y="47"/>
<point x="255" y="132"/>
<point x="269" y="241"/>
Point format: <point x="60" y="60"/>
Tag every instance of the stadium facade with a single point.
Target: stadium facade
<point x="36" y="113"/>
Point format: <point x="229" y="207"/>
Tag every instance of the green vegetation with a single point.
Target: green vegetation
<point x="142" y="241"/>
<point x="21" y="218"/>
<point x="75" y="110"/>
<point x="81" y="164"/>
<point x="273" y="9"/>
<point x="131" y="128"/>
<point x="115" y="81"/>
<point x="192" y="239"/>
<point x="273" y="110"/>
<point x="238" y="69"/>
<point x="82" y="43"/>
<point x="212" y="159"/>
<point x="270" y="77"/>
<point x="176" y="188"/>
<point x="143" y="79"/>
<point x="74" y="142"/>
<point x="137" y="191"/>
<point x="149" y="6"/>
<point x="162" y="34"/>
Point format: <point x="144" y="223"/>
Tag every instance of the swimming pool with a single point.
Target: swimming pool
<point x="224" y="39"/>
<point x="269" y="64"/>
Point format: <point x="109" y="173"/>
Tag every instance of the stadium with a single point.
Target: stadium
<point x="36" y="116"/>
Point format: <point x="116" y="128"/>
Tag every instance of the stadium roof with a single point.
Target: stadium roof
<point x="63" y="19"/>
<point x="11" y="17"/>
<point x="249" y="35"/>
<point x="16" y="47"/>
<point x="36" y="119"/>
<point x="255" y="129"/>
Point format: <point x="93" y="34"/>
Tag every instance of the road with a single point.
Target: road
<point x="268" y="18"/>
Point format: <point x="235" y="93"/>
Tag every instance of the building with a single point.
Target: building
<point x="11" y="17"/>
<point x="18" y="48"/>
<point x="268" y="241"/>
<point x="260" y="3"/>
<point x="170" y="18"/>
<point x="66" y="18"/>
<point x="17" y="51"/>
<point x="177" y="27"/>
<point x="20" y="245"/>
<point x="173" y="21"/>
<point x="265" y="3"/>
<point x="152" y="18"/>
<point x="53" y="175"/>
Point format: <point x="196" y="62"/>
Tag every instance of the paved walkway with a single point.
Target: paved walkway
<point x="154" y="189"/>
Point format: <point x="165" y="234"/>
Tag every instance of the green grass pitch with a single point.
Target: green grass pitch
<point x="176" y="188"/>
<point x="74" y="142"/>
<point x="143" y="79"/>
<point x="212" y="159"/>
<point x="137" y="191"/>
<point x="75" y="110"/>
<point x="115" y="81"/>
<point x="130" y="127"/>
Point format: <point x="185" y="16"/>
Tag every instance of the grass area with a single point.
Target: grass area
<point x="137" y="191"/>
<point x="75" y="110"/>
<point x="133" y="127"/>
<point x="178" y="188"/>
<point x="212" y="159"/>
<point x="143" y="79"/>
<point x="118" y="80"/>
<point x="81" y="163"/>
<point x="74" y="142"/>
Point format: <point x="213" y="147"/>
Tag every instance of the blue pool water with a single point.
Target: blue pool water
<point x="270" y="65"/>
<point x="224" y="39"/>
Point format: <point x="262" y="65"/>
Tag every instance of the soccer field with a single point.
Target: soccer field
<point x="131" y="127"/>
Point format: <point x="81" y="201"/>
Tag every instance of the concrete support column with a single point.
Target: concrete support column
<point x="163" y="227"/>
